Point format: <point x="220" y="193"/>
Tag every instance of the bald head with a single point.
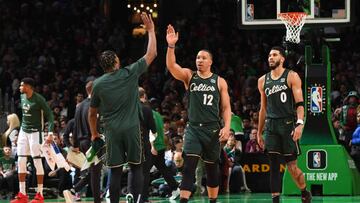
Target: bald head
<point x="142" y="94"/>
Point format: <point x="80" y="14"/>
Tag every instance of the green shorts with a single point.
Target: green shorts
<point x="278" y="137"/>
<point x="203" y="141"/>
<point x="123" y="146"/>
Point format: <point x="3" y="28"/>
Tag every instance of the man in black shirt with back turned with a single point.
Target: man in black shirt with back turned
<point x="82" y="142"/>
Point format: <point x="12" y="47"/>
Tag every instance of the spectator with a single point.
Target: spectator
<point x="348" y="118"/>
<point x="60" y="173"/>
<point x="252" y="146"/>
<point x="7" y="172"/>
<point x="12" y="132"/>
<point x="247" y="130"/>
<point x="236" y="179"/>
<point x="355" y="142"/>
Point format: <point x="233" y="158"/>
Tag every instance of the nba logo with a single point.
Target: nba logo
<point x="316" y="159"/>
<point x="316" y="100"/>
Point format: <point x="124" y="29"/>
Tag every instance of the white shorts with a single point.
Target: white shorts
<point x="29" y="144"/>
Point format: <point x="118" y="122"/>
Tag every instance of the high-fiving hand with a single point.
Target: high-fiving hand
<point x="171" y="36"/>
<point x="148" y="22"/>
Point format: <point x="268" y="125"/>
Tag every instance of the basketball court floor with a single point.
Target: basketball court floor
<point x="236" y="198"/>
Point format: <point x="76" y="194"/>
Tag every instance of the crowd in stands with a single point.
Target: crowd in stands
<point x="57" y="42"/>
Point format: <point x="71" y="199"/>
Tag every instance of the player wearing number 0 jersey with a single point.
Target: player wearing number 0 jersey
<point x="281" y="96"/>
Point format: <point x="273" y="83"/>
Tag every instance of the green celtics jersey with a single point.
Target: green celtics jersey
<point x="159" y="143"/>
<point x="280" y="101"/>
<point x="116" y="96"/>
<point x="33" y="111"/>
<point x="204" y="99"/>
<point x="236" y="124"/>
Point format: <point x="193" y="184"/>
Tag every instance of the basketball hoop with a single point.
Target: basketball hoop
<point x="293" y="21"/>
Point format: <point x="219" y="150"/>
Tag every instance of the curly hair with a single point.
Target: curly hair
<point x="107" y="60"/>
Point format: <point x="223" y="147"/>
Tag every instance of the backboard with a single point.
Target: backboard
<point x="260" y="14"/>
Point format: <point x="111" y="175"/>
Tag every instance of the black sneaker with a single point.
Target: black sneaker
<point x="306" y="197"/>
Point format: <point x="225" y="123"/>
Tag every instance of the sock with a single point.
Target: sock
<point x="276" y="199"/>
<point x="303" y="191"/>
<point x="183" y="200"/>
<point x="213" y="200"/>
<point x="40" y="189"/>
<point x="22" y="187"/>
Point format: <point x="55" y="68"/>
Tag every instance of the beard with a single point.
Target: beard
<point x="275" y="65"/>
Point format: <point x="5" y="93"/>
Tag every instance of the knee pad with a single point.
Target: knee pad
<point x="22" y="164"/>
<point x="39" y="166"/>
<point x="190" y="163"/>
<point x="212" y="174"/>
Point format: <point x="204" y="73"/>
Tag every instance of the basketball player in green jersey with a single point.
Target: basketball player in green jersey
<point x="208" y="99"/>
<point x="34" y="107"/>
<point x="281" y="92"/>
<point x="115" y="97"/>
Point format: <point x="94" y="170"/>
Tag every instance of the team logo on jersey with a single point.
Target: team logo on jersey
<point x="26" y="107"/>
<point x="274" y="89"/>
<point x="212" y="81"/>
<point x="316" y="99"/>
<point x="282" y="80"/>
<point x="201" y="88"/>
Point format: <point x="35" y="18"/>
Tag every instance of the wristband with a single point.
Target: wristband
<point x="171" y="47"/>
<point x="299" y="122"/>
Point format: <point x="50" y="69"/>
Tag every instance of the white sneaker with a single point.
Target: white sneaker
<point x="68" y="196"/>
<point x="129" y="198"/>
<point x="175" y="194"/>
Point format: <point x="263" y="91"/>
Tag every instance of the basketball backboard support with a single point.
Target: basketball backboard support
<point x="262" y="14"/>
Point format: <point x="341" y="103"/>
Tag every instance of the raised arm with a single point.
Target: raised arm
<point x="182" y="74"/>
<point x="295" y="84"/>
<point x="151" y="51"/>
<point x="262" y="112"/>
<point x="225" y="109"/>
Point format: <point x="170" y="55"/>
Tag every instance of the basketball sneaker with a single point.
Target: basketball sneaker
<point x="306" y="197"/>
<point x="175" y="194"/>
<point x="129" y="198"/>
<point x="38" y="198"/>
<point x="20" y="198"/>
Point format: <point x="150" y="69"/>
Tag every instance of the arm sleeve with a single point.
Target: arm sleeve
<point x="75" y="127"/>
<point x="48" y="114"/>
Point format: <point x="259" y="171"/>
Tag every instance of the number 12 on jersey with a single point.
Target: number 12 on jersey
<point x="208" y="98"/>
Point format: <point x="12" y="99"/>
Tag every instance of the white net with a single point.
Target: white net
<point x="294" y="21"/>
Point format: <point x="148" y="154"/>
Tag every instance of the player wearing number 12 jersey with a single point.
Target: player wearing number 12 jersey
<point x="208" y="102"/>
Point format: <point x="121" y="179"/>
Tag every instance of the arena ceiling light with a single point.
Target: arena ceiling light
<point x="148" y="6"/>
